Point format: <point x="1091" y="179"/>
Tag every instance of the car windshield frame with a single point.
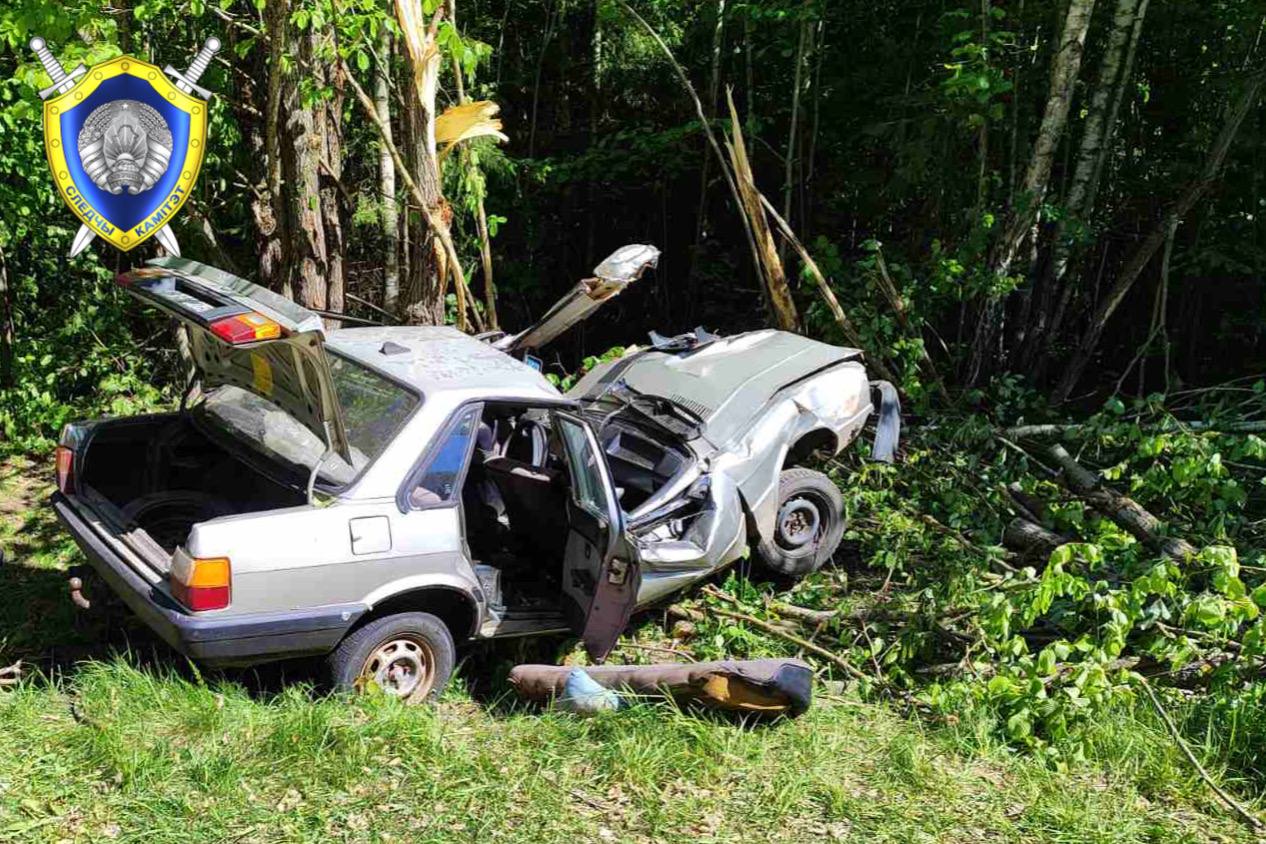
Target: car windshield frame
<point x="324" y="482"/>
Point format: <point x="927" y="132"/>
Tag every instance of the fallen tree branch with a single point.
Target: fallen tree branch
<point x="12" y="675"/>
<point x="1123" y="510"/>
<point x="833" y="658"/>
<point x="959" y="537"/>
<point x="1037" y="432"/>
<point x="814" y="617"/>
<point x="1252" y="820"/>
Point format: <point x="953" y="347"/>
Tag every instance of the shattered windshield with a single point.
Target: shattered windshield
<point x="373" y="407"/>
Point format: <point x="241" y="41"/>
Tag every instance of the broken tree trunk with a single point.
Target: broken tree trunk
<point x="1123" y="510"/>
<point x="784" y="306"/>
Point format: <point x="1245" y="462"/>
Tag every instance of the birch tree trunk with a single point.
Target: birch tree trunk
<point x="1137" y="262"/>
<point x="389" y="213"/>
<point x="1065" y="68"/>
<point x="1094" y="135"/>
<point x="1096" y="178"/>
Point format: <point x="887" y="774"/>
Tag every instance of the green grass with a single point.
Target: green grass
<point x="104" y="743"/>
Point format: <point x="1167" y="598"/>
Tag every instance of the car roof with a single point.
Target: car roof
<point x="440" y="359"/>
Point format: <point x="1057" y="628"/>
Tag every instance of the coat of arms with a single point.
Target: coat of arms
<point x="125" y="142"/>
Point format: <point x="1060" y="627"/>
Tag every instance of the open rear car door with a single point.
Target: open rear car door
<point x="599" y="572"/>
<point x="244" y="335"/>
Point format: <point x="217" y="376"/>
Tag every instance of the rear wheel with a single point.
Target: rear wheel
<point x="408" y="655"/>
<point x="809" y="525"/>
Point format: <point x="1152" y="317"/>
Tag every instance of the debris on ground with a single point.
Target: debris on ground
<point x="758" y="686"/>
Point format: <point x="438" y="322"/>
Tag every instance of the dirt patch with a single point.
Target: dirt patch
<point x="23" y="486"/>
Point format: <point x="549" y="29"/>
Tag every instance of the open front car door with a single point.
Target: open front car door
<point x="600" y="573"/>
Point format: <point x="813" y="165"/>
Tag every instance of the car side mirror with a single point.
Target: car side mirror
<point x="627" y="264"/>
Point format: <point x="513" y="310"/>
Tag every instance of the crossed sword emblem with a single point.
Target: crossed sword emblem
<point x="63" y="82"/>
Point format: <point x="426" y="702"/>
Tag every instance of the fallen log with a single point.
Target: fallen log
<point x="1030" y="507"/>
<point x="1123" y="510"/>
<point x="1037" y="432"/>
<point x="1030" y="540"/>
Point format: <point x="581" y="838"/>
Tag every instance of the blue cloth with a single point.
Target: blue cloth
<point x="583" y="695"/>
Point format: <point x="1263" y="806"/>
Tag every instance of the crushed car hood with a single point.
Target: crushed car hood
<point x="723" y="381"/>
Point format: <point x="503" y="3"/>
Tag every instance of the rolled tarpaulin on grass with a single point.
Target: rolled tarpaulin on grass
<point x="765" y="686"/>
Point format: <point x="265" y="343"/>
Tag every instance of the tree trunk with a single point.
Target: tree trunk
<point x="331" y="207"/>
<point x="1065" y="292"/>
<point x="1065" y="68"/>
<point x="551" y="23"/>
<point x="714" y="90"/>
<point x="1156" y="237"/>
<point x="123" y="20"/>
<point x="303" y="148"/>
<point x="268" y="208"/>
<point x="1091" y="151"/>
<point x="425" y="288"/>
<point x="477" y="180"/>
<point x="6" y="325"/>
<point x="1096" y="178"/>
<point x="389" y="213"/>
<point x="1123" y="510"/>
<point x="1095" y="132"/>
<point x="793" y="133"/>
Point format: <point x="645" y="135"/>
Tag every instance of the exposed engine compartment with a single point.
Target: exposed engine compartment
<point x="164" y="476"/>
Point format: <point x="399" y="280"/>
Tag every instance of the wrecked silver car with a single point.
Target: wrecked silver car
<point x="378" y="495"/>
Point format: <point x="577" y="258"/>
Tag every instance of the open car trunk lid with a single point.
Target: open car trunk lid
<point x="244" y="335"/>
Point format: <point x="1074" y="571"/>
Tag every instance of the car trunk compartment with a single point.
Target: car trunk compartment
<point x="151" y="479"/>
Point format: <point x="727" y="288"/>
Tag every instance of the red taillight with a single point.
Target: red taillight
<point x="245" y="328"/>
<point x="65" y="470"/>
<point x="201" y="584"/>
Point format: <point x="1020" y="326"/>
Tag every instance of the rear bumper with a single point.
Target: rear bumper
<point x="232" y="640"/>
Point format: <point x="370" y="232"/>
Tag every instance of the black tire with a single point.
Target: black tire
<point x="389" y="650"/>
<point x="809" y="525"/>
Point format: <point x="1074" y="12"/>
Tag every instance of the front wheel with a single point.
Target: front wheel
<point x="809" y="525"/>
<point x="408" y="655"/>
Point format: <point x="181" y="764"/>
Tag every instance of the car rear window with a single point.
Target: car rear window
<point x="373" y="407"/>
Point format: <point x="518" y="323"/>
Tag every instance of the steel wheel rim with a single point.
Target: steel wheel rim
<point x="800" y="522"/>
<point x="402" y="666"/>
